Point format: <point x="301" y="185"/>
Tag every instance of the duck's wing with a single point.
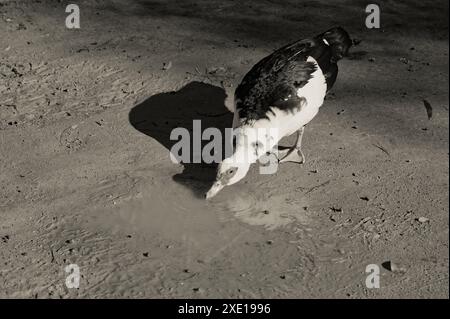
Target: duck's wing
<point x="274" y="81"/>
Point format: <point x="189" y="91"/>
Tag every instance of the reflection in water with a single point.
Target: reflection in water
<point x="174" y="212"/>
<point x="171" y="213"/>
<point x="270" y="211"/>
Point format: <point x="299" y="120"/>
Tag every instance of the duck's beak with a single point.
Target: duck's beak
<point x="217" y="186"/>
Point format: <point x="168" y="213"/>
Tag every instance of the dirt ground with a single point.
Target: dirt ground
<point x="85" y="175"/>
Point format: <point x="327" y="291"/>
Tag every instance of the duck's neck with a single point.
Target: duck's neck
<point x="252" y="143"/>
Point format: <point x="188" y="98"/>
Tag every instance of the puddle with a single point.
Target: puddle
<point x="173" y="212"/>
<point x="264" y="209"/>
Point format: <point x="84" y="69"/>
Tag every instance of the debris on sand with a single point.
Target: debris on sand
<point x="52" y="255"/>
<point x="382" y="149"/>
<point x="423" y="220"/>
<point x="215" y="70"/>
<point x="404" y="60"/>
<point x="429" y="108"/>
<point x="317" y="186"/>
<point x="198" y="289"/>
<point x="365" y="198"/>
<point x="394" y="267"/>
<point x="167" y="65"/>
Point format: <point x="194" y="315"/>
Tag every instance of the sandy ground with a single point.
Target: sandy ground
<point x="85" y="175"/>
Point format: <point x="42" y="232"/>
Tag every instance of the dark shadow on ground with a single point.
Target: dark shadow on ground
<point x="160" y="114"/>
<point x="271" y="21"/>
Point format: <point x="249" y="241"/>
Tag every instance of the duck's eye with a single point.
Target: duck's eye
<point x="231" y="171"/>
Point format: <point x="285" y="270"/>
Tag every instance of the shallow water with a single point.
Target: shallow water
<point x="175" y="213"/>
<point x="260" y="208"/>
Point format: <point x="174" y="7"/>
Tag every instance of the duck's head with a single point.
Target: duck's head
<point x="249" y="145"/>
<point x="230" y="171"/>
<point x="339" y="41"/>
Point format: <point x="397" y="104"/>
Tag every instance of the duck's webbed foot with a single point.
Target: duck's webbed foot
<point x="293" y="154"/>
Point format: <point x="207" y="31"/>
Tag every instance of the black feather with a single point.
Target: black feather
<point x="429" y="108"/>
<point x="274" y="81"/>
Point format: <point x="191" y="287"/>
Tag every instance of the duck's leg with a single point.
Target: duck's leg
<point x="294" y="154"/>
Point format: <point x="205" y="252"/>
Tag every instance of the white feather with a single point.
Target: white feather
<point x="284" y="123"/>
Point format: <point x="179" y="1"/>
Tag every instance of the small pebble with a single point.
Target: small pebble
<point x="214" y="70"/>
<point x="336" y="210"/>
<point x="423" y="219"/>
<point x="167" y="66"/>
<point x="394" y="267"/>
